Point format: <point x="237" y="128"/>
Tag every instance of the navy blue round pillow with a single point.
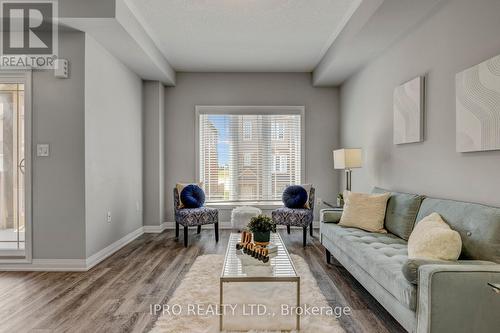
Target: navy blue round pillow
<point x="192" y="196"/>
<point x="294" y="196"/>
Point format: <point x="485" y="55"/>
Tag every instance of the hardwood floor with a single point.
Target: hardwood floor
<point x="115" y="296"/>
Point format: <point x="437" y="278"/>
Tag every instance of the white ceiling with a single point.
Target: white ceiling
<point x="243" y="35"/>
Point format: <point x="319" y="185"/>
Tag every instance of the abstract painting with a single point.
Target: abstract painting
<point x="478" y="107"/>
<point x="409" y="111"/>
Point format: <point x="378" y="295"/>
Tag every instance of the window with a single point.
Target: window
<point x="244" y="155"/>
<point x="280" y="164"/>
<point x="247" y="159"/>
<point x="278" y="130"/>
<point x="247" y="130"/>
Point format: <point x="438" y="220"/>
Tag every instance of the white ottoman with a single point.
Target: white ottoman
<point x="240" y="216"/>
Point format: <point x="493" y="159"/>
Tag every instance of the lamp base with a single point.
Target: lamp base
<point x="348" y="179"/>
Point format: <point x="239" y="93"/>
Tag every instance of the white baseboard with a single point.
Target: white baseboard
<point x="81" y="265"/>
<point x="74" y="265"/>
<point x="156" y="229"/>
<point x="48" y="265"/>
<point x="110" y="249"/>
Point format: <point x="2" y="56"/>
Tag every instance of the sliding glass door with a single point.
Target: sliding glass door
<point x="13" y="212"/>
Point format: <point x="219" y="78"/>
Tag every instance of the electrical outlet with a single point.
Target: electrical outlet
<point x="108" y="217"/>
<point x="320" y="201"/>
<point x="42" y="150"/>
<point x="138" y="206"/>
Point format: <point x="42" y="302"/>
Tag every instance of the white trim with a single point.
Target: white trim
<point x="251" y="109"/>
<point x="48" y="265"/>
<point x="74" y="265"/>
<point x="155" y="229"/>
<point x="25" y="76"/>
<point x="83" y="265"/>
<point x="229" y="205"/>
<point x="110" y="249"/>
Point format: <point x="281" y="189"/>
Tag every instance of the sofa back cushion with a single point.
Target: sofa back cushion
<point x="401" y="212"/>
<point x="478" y="226"/>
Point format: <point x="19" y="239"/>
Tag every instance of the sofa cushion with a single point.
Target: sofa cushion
<point x="330" y="216"/>
<point x="401" y="213"/>
<point x="478" y="226"/>
<point x="293" y="217"/>
<point x="381" y="255"/>
<point x="411" y="266"/>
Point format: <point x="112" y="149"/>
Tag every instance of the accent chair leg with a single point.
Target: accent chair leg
<point x="288" y="229"/>
<point x="176" y="230"/>
<point x="185" y="236"/>
<point x="216" y="227"/>
<point x="311" y="229"/>
<point x="328" y="256"/>
<point x="304" y="236"/>
<point x="198" y="230"/>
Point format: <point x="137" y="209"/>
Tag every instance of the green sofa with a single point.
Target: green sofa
<point x="442" y="296"/>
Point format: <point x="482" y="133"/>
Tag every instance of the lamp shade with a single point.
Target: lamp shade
<point x="347" y="158"/>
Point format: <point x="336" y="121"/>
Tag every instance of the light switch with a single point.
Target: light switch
<point x="42" y="150"/>
<point x="61" y="69"/>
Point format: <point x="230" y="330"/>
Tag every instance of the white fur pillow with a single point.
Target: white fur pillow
<point x="365" y="211"/>
<point x="433" y="239"/>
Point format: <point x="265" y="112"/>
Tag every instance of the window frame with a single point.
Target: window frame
<point x="250" y="110"/>
<point x="25" y="77"/>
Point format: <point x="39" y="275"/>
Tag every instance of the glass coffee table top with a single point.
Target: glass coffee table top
<point x="240" y="265"/>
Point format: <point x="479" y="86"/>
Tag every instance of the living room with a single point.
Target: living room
<point x="256" y="166"/>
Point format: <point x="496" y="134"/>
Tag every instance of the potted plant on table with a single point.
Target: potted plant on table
<point x="261" y="227"/>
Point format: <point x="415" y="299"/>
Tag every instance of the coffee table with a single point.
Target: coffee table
<point x="281" y="269"/>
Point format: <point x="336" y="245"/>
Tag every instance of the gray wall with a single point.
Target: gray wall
<point x="58" y="180"/>
<point x="113" y="148"/>
<point x="460" y="34"/>
<point x="321" y="121"/>
<point x="153" y="152"/>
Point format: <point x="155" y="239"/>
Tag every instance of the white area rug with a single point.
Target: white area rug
<point x="200" y="290"/>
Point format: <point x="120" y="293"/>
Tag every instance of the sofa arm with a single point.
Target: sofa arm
<point x="330" y="215"/>
<point x="457" y="298"/>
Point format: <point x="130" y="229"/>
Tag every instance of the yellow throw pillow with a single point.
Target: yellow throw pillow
<point x="364" y="211"/>
<point x="433" y="239"/>
<point x="180" y="187"/>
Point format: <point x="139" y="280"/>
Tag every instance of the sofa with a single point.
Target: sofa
<point x="442" y="296"/>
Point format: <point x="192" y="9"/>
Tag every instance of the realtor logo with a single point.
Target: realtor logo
<point x="29" y="33"/>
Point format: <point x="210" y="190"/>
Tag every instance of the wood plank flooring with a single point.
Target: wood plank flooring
<point x="115" y="296"/>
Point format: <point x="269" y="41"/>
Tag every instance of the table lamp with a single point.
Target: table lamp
<point x="347" y="159"/>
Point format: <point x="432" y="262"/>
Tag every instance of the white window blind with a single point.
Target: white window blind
<point x="249" y="157"/>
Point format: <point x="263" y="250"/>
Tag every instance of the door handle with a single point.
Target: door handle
<point x="22" y="166"/>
